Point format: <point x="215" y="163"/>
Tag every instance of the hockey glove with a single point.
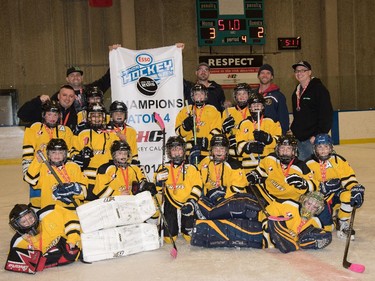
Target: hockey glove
<point x="216" y="195"/>
<point x="188" y="123"/>
<point x="314" y="238"/>
<point x="262" y="136"/>
<point x="65" y="192"/>
<point x="87" y="152"/>
<point x="148" y="186"/>
<point x="195" y="155"/>
<point x="228" y="124"/>
<point x="162" y="174"/>
<point x="202" y="143"/>
<point x="188" y="208"/>
<point x="297" y="181"/>
<point x="330" y="186"/>
<point x="357" y="196"/>
<point x="253" y="178"/>
<point x="253" y="147"/>
<point x="135" y="162"/>
<point x="81" y="161"/>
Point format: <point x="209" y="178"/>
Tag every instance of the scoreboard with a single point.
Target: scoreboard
<point x="230" y="22"/>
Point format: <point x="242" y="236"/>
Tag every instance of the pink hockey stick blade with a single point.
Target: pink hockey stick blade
<point x="159" y="120"/>
<point x="173" y="253"/>
<point x="357" y="267"/>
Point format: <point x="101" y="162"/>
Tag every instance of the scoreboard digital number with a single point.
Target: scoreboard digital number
<point x="230" y="22"/>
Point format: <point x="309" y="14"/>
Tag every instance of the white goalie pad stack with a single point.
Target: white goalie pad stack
<point x="119" y="241"/>
<point x="114" y="226"/>
<point x="116" y="211"/>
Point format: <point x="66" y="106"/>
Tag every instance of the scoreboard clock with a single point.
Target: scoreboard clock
<point x="289" y="43"/>
<point x="230" y="22"/>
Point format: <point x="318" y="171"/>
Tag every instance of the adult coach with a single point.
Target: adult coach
<point x="312" y="109"/>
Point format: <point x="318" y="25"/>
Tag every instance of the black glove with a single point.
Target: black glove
<point x="202" y="143"/>
<point x="64" y="192"/>
<point x="228" y="124"/>
<point x="357" y="195"/>
<point x="195" y="155"/>
<point x="253" y="147"/>
<point x="188" y="208"/>
<point x="262" y="136"/>
<point x="81" y="161"/>
<point x="330" y="186"/>
<point x="297" y="181"/>
<point x="216" y="195"/>
<point x="253" y="178"/>
<point x="135" y="162"/>
<point x="148" y="186"/>
<point x="87" y="152"/>
<point x="188" y="123"/>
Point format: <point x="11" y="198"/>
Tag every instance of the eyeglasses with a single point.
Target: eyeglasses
<point x="300" y="70"/>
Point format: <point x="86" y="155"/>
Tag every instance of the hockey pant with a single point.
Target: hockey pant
<point x="116" y="211"/>
<point x="240" y="205"/>
<point x="227" y="233"/>
<point x="119" y="241"/>
<point x="170" y="214"/>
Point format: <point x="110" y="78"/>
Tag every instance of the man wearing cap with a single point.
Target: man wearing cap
<point x="275" y="101"/>
<point x="312" y="109"/>
<point x="216" y="95"/>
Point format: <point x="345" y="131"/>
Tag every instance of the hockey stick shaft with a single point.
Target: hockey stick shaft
<point x="351" y="266"/>
<point x="53" y="172"/>
<point x="174" y="251"/>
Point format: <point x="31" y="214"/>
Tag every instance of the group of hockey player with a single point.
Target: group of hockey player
<point x="232" y="179"/>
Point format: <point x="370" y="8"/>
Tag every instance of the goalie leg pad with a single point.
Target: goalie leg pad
<point x="227" y="233"/>
<point x="282" y="237"/>
<point x="116" y="211"/>
<point x="314" y="238"/>
<point x="119" y="241"/>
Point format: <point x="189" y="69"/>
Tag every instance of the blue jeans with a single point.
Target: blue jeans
<point x="305" y="149"/>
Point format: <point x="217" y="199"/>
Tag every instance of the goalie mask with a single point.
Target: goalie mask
<point x="119" y="113"/>
<point x="286" y="149"/>
<point x="96" y="114"/>
<point x="323" y="147"/>
<point x="121" y="153"/>
<point x="94" y="95"/>
<point x="176" y="149"/>
<point x="51" y="113"/>
<point x="57" y="152"/>
<point x="241" y="95"/>
<point x="24" y="220"/>
<point x="219" y="148"/>
<point x="256" y="104"/>
<point x="312" y="203"/>
<point x="199" y="95"/>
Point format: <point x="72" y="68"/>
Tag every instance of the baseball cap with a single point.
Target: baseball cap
<point x="73" y="69"/>
<point x="203" y="64"/>
<point x="266" y="67"/>
<point x="302" y="63"/>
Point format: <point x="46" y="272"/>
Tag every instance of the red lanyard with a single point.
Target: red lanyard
<point x="286" y="171"/>
<point x="49" y="131"/>
<point x="126" y="178"/>
<point x="31" y="244"/>
<point x="323" y="170"/>
<point x="63" y="173"/>
<point x="66" y="119"/>
<point x="175" y="179"/>
<point x="198" y="118"/>
<point x="243" y="112"/>
<point x="218" y="171"/>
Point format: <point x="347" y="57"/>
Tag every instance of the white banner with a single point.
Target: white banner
<point x="148" y="81"/>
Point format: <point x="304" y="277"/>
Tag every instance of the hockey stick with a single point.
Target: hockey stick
<point x="269" y="217"/>
<point x="356" y="267"/>
<point x="45" y="161"/>
<point x="173" y="252"/>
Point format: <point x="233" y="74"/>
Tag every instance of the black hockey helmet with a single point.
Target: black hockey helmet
<point x="51" y="106"/>
<point x="121" y="146"/>
<point x="118" y="106"/>
<point x="95" y="92"/>
<point x="287" y="140"/>
<point x="57" y="144"/>
<point x="241" y="87"/>
<point x="96" y="108"/>
<point x="175" y="141"/>
<point x="16" y="220"/>
<point x="219" y="140"/>
<point x="199" y="88"/>
<point x="256" y="98"/>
